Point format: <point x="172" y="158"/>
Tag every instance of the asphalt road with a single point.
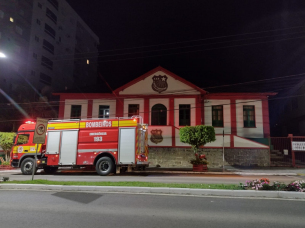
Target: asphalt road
<point x="76" y="209"/>
<point x="148" y="177"/>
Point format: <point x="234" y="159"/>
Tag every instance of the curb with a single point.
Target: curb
<point x="149" y="190"/>
<point x="224" y="173"/>
<point x="266" y="174"/>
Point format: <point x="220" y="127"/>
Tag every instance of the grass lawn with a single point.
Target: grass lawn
<point x="129" y="184"/>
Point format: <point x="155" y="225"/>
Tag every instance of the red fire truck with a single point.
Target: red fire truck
<point x="106" y="144"/>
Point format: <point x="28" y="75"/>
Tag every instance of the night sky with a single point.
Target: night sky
<point x="200" y="40"/>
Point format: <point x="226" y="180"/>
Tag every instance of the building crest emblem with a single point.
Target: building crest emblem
<point x="159" y="83"/>
<point x="156" y="136"/>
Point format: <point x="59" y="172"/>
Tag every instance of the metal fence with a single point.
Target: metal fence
<point x="282" y="154"/>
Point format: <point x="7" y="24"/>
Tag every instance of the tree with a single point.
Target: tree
<point x="7" y="142"/>
<point x="197" y="136"/>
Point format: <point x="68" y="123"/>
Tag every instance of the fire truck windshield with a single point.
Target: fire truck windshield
<point x="23" y="139"/>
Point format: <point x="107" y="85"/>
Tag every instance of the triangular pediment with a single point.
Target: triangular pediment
<point x="159" y="81"/>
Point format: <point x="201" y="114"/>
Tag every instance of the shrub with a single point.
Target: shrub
<point x="258" y="184"/>
<point x="298" y="186"/>
<point x="197" y="136"/>
<point x="264" y="184"/>
<point x="279" y="186"/>
<point x="6" y="142"/>
<point x="5" y="163"/>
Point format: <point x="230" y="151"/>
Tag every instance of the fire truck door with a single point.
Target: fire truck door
<point x="127" y="143"/>
<point x="53" y="142"/>
<point x="68" y="148"/>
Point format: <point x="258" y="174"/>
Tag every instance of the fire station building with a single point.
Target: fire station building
<point x="168" y="102"/>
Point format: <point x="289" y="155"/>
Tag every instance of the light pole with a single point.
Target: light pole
<point x="2" y="55"/>
<point x="2" y="92"/>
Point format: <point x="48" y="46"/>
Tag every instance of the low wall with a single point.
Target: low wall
<point x="175" y="157"/>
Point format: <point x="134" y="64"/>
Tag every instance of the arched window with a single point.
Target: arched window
<point x="158" y="114"/>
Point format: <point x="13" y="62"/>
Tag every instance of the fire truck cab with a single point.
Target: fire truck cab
<point x="106" y="144"/>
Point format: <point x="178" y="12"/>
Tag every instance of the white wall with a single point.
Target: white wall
<point x="226" y="115"/>
<point x="112" y="107"/>
<point x="166" y="134"/>
<point x="226" y="141"/>
<point x="220" y="140"/>
<point x="255" y="132"/>
<point x="139" y="101"/>
<point x="68" y="103"/>
<point x="217" y="143"/>
<point x="164" y="101"/>
<point x="241" y="142"/>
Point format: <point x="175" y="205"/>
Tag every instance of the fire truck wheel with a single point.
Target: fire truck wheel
<point x="50" y="170"/>
<point x="27" y="166"/>
<point x="104" y="166"/>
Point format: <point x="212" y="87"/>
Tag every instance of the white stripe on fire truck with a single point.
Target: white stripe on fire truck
<point x="95" y="150"/>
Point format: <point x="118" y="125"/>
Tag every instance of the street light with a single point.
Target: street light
<point x="2" y="55"/>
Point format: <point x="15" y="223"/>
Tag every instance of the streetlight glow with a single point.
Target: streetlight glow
<point x="2" y="55"/>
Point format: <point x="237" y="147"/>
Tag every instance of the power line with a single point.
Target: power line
<point x="57" y="103"/>
<point x="183" y="52"/>
<point x="175" y="92"/>
<point x="283" y="78"/>
<point x="183" y="47"/>
<point x="210" y="38"/>
<point x="204" y="106"/>
<point x="262" y="80"/>
<point x="196" y="40"/>
<point x="217" y="48"/>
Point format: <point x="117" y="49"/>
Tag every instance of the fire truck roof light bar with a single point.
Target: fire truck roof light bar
<point x="29" y="122"/>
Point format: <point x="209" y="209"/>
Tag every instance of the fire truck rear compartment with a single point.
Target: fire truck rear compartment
<point x="127" y="146"/>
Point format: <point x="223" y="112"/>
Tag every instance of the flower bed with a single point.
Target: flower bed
<point x="264" y="184"/>
<point x="6" y="167"/>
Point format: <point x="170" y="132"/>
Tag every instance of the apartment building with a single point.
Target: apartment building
<point x="48" y="47"/>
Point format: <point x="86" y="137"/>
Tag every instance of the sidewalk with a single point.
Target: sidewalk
<point x="229" y="170"/>
<point x="271" y="171"/>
